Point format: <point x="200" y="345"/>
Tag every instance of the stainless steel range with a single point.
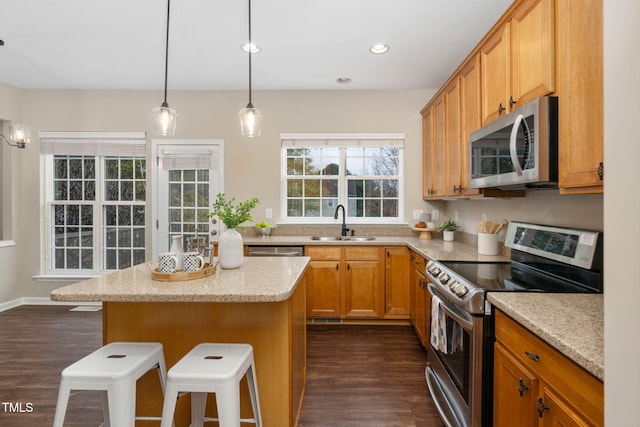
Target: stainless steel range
<point x="543" y="259"/>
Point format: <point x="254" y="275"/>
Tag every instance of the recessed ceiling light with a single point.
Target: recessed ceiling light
<point x="251" y="47"/>
<point x="379" y="48"/>
<point x="343" y="80"/>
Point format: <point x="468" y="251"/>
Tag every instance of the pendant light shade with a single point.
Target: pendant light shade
<point x="250" y="117"/>
<point x="164" y="118"/>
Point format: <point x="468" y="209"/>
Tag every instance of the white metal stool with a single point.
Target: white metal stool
<point x="213" y="368"/>
<point x="114" y="369"/>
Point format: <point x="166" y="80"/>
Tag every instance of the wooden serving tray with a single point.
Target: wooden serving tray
<point x="179" y="276"/>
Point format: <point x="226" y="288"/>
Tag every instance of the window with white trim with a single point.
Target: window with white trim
<point x="95" y="192"/>
<point x="363" y="172"/>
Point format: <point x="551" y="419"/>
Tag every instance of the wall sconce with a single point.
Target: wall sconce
<point x="19" y="134"/>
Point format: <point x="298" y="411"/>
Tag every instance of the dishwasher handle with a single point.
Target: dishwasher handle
<point x="275" y="251"/>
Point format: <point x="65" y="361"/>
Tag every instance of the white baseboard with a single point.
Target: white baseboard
<point x="39" y="301"/>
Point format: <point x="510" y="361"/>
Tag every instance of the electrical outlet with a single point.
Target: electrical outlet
<point x="417" y="213"/>
<point x="435" y="215"/>
<point x="456" y="217"/>
<point x="268" y="213"/>
<point x="484" y="217"/>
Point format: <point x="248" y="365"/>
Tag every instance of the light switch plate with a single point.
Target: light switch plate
<point x="417" y="213"/>
<point x="268" y="213"/>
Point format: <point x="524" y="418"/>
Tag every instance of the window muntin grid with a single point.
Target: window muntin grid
<point x="189" y="204"/>
<point x="79" y="204"/>
<point x="365" y="179"/>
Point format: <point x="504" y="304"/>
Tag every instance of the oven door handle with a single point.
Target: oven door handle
<point x="465" y="323"/>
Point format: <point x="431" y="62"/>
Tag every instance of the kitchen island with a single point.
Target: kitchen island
<point x="261" y="303"/>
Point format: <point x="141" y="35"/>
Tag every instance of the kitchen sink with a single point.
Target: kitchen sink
<point x="345" y="238"/>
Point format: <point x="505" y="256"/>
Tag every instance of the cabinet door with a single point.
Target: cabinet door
<point x="362" y="295"/>
<point x="514" y="393"/>
<point x="470" y="117"/>
<point x="323" y="289"/>
<point x="427" y="153"/>
<point x="494" y="60"/>
<point x="580" y="93"/>
<point x="396" y="283"/>
<point x="452" y="148"/>
<point x="439" y="152"/>
<point x="556" y="411"/>
<point x="532" y="51"/>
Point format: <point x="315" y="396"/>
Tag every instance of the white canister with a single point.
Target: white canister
<point x="487" y="244"/>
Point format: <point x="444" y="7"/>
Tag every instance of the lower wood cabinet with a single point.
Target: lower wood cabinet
<point x="358" y="282"/>
<point x="535" y="385"/>
<point x="420" y="299"/>
<point x="396" y="283"/>
<point x="345" y="282"/>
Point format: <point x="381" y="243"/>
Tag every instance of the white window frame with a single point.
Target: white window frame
<point x="289" y="140"/>
<point x="100" y="145"/>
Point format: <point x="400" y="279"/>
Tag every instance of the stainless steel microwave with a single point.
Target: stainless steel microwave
<point x="519" y="150"/>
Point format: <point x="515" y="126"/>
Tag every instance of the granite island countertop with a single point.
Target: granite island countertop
<point x="259" y="279"/>
<point x="573" y="324"/>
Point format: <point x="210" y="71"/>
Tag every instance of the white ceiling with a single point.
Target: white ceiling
<point x="306" y="44"/>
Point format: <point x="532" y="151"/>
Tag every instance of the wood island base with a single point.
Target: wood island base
<point x="276" y="330"/>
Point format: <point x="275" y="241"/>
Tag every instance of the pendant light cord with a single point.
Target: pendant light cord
<point x="250" y="50"/>
<point x="166" y="55"/>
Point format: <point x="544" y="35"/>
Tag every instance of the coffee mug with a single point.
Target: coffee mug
<point x="192" y="261"/>
<point x="167" y="262"/>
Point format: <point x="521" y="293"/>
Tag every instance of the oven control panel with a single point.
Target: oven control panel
<point x="455" y="287"/>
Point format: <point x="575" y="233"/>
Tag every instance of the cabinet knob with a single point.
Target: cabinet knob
<point x="500" y="109"/>
<point x="541" y="407"/>
<point x="601" y="171"/>
<point x="512" y="102"/>
<point x="522" y="387"/>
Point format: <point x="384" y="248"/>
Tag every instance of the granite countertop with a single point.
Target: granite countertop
<point x="571" y="323"/>
<point x="259" y="279"/>
<point x="433" y="249"/>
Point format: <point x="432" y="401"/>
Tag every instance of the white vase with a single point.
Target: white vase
<point x="447" y="236"/>
<point x="176" y="249"/>
<point x="230" y="249"/>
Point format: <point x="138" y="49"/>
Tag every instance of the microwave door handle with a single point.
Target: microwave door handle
<point x="512" y="145"/>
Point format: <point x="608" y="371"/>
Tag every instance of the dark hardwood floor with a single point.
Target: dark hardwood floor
<point x="356" y="375"/>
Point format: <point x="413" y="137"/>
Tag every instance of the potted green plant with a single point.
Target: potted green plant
<point x="447" y="228"/>
<point x="232" y="215"/>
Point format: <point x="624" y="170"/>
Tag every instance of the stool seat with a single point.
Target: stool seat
<point x="213" y="368"/>
<point x="114" y="369"/>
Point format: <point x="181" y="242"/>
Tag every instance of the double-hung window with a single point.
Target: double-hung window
<point x="95" y="208"/>
<point x="362" y="172"/>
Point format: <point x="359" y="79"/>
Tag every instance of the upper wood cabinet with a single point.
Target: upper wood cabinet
<point x="428" y="163"/>
<point x="518" y="59"/>
<point x="537" y="48"/>
<point x="580" y="96"/>
<point x="470" y="120"/>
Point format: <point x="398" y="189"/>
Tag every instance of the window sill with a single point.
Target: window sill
<point x="62" y="277"/>
<point x="7" y="243"/>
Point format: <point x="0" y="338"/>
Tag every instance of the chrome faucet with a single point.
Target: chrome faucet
<point x="345" y="230"/>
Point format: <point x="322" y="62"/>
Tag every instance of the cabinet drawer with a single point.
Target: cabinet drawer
<point x="361" y="253"/>
<point x="575" y="384"/>
<point x="323" y="252"/>
<point x="418" y="262"/>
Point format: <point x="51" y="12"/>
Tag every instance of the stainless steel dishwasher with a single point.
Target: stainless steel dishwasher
<point x="275" y="250"/>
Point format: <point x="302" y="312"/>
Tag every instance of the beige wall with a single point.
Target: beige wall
<point x="622" y="212"/>
<point x="10" y="182"/>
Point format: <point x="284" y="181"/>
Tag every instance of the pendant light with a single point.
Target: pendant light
<point x="250" y="116"/>
<point x="164" y="118"/>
